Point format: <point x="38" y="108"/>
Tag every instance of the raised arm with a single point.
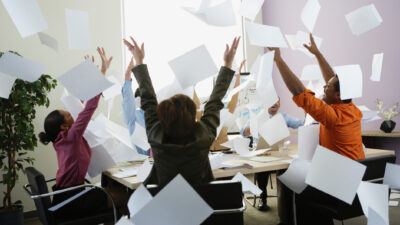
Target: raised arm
<point x="293" y="83"/>
<point x="326" y="69"/>
<point x="128" y="100"/>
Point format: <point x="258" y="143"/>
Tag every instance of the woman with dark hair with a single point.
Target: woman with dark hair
<point x="180" y="145"/>
<point x="73" y="156"/>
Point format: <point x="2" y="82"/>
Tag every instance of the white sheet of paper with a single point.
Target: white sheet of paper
<point x="124" y="221"/>
<point x="268" y="95"/>
<point x="237" y="90"/>
<point x="274" y="129"/>
<point x="241" y="145"/>
<point x="84" y="81"/>
<point x="250" y="8"/>
<point x="216" y="160"/>
<point x="309" y="120"/>
<point x="253" y="124"/>
<point x="112" y="91"/>
<point x="264" y="75"/>
<point x="255" y="68"/>
<point x="311" y="72"/>
<point x="140" y="197"/>
<point x="228" y="144"/>
<point x="213" y="14"/>
<point x="177" y="203"/>
<point x="22" y="68"/>
<point x="327" y="176"/>
<point x="351" y="80"/>
<point x="368" y="114"/>
<point x="393" y="203"/>
<point x="308" y="140"/>
<point x="309" y="14"/>
<point x="78" y="29"/>
<point x="394" y="196"/>
<point x="169" y="91"/>
<point x="374" y="196"/>
<point x="377" y="67"/>
<point x="295" y="176"/>
<point x="247" y="186"/>
<point x="6" y="84"/>
<point x="392" y="174"/>
<point x="204" y="88"/>
<point x="100" y="161"/>
<point x="375" y="219"/>
<point x="72" y="104"/>
<point x="139" y="137"/>
<point x="304" y="38"/>
<point x="110" y="104"/>
<point x="26" y="15"/>
<point x="128" y="173"/>
<point x="265" y="159"/>
<point x="193" y="66"/>
<point x="48" y="40"/>
<point x="123" y="153"/>
<point x="291" y="39"/>
<point x="363" y="19"/>
<point x="144" y="171"/>
<point x="264" y="35"/>
<point x="117" y="131"/>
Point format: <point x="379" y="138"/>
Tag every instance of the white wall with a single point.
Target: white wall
<point x="105" y="30"/>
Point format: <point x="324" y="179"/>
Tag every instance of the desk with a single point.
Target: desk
<point x="132" y="183"/>
<point x="381" y="140"/>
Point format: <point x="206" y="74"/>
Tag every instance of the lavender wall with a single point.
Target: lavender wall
<point x="341" y="47"/>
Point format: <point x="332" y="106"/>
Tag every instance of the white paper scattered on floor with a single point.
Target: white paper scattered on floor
<point x="363" y="19"/>
<point x="250" y="8"/>
<point x="392" y="174"/>
<point x="84" y="81"/>
<point x="139" y="137"/>
<point x="248" y="187"/>
<point x="308" y="140"/>
<point x="327" y="176"/>
<point x="374" y="218"/>
<point x="295" y="176"/>
<point x="374" y="196"/>
<point x="274" y="129"/>
<point x="309" y="14"/>
<point x="112" y="91"/>
<point x="144" y="171"/>
<point x="6" y="84"/>
<point x="20" y="67"/>
<point x="264" y="35"/>
<point x="140" y="197"/>
<point x="26" y="15"/>
<point x="99" y="161"/>
<point x="351" y="81"/>
<point x="176" y="203"/>
<point x="193" y="66"/>
<point x="311" y="72"/>
<point x="394" y="196"/>
<point x="393" y="203"/>
<point x="48" y="40"/>
<point x="78" y="29"/>
<point x="377" y="67"/>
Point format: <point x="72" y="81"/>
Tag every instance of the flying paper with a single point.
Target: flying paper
<point x="264" y="35"/>
<point x="78" y="29"/>
<point x="250" y="8"/>
<point x="295" y="176"/>
<point x="6" y="84"/>
<point x="363" y="19"/>
<point x="19" y="67"/>
<point x="309" y="14"/>
<point x="376" y="67"/>
<point x="48" y="40"/>
<point x="350" y="80"/>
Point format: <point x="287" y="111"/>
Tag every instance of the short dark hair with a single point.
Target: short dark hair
<point x="52" y="127"/>
<point x="337" y="88"/>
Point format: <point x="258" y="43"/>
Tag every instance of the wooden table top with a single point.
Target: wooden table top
<point x="379" y="133"/>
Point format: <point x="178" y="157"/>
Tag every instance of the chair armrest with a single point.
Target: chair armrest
<point x="28" y="185"/>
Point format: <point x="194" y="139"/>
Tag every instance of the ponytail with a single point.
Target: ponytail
<point x="44" y="138"/>
<point x="52" y="127"/>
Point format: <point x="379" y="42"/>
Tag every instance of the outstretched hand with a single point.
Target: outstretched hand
<point x="137" y="52"/>
<point x="105" y="62"/>
<point x="277" y="54"/>
<point x="313" y="47"/>
<point x="230" y="52"/>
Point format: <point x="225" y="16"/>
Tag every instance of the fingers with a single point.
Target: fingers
<point x="109" y="60"/>
<point x="312" y="39"/>
<point x="241" y="65"/>
<point x="134" y="42"/>
<point x="86" y="57"/>
<point x="128" y="44"/>
<point x="307" y="47"/>
<point x="92" y="58"/>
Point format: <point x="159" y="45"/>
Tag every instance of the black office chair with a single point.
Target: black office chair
<point x="40" y="194"/>
<point x="225" y="197"/>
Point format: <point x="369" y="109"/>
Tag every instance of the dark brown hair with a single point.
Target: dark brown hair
<point x="177" y="116"/>
<point x="52" y="126"/>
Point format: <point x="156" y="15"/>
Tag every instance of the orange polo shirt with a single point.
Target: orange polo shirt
<point x="340" y="124"/>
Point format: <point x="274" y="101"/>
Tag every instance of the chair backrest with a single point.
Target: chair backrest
<point x="38" y="186"/>
<point x="376" y="166"/>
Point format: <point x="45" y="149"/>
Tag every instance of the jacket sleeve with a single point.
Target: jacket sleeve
<point x="79" y="126"/>
<point x="211" y="110"/>
<point x="128" y="106"/>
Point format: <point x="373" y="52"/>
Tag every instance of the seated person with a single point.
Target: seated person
<point x="180" y="144"/>
<point x="340" y="122"/>
<point x="262" y="178"/>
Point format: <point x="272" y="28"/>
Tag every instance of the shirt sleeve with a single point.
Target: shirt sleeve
<point x="319" y="110"/>
<point x="128" y="106"/>
<point x="81" y="123"/>
<point x="292" y="122"/>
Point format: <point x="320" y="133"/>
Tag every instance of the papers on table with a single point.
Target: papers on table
<point x="177" y="203"/>
<point x="127" y="172"/>
<point x="392" y="174"/>
<point x="247" y="186"/>
<point x="241" y="146"/>
<point x="329" y="172"/>
<point x="22" y="68"/>
<point x="26" y="15"/>
<point x="144" y="171"/>
<point x="140" y="197"/>
<point x="48" y="40"/>
<point x="274" y="129"/>
<point x="295" y="176"/>
<point x="393" y="203"/>
<point x="193" y="66"/>
<point x="264" y="35"/>
<point x="374" y="197"/>
<point x="394" y="196"/>
<point x="84" y="81"/>
<point x="350" y="80"/>
<point x="264" y="159"/>
<point x="308" y="140"/>
<point x="99" y="161"/>
<point x="78" y="29"/>
<point x="377" y="67"/>
<point x="309" y="14"/>
<point x="311" y="72"/>
<point x="363" y="19"/>
<point x="250" y="8"/>
<point x="217" y="160"/>
<point x="212" y="15"/>
<point x="6" y="84"/>
<point x="112" y="91"/>
<point x="139" y="137"/>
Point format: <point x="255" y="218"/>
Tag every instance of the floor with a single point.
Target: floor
<point x="254" y="217"/>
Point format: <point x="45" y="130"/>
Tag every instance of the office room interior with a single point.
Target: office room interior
<point x="358" y="38"/>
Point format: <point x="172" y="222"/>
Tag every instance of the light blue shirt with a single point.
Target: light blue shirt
<point x="131" y="114"/>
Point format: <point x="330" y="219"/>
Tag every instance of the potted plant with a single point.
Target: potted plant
<point x="388" y="124"/>
<point x="17" y="137"/>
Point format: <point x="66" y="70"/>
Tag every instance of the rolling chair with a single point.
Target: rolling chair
<point x="40" y="194"/>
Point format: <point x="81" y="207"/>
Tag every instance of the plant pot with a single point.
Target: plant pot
<point x="14" y="216"/>
<point x="387" y="126"/>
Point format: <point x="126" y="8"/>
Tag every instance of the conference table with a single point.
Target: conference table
<point x="381" y="140"/>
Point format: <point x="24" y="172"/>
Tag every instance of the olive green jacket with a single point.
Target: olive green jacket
<point x="187" y="157"/>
